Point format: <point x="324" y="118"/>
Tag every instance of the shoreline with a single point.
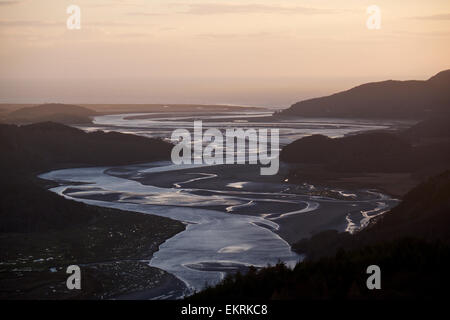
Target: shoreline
<point x="395" y="184"/>
<point x="172" y="288"/>
<point x="121" y="239"/>
<point x="295" y="223"/>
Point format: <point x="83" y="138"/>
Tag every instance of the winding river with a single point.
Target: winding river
<point x="229" y="227"/>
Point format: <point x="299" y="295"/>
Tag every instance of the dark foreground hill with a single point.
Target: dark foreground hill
<point x="48" y="145"/>
<point x="429" y="130"/>
<point x="410" y="269"/>
<point x="28" y="150"/>
<point x="368" y="152"/>
<point x="56" y="112"/>
<point x="386" y="99"/>
<point x="391" y="161"/>
<point x="42" y="233"/>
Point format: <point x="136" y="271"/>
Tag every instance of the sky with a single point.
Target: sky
<point x="247" y="52"/>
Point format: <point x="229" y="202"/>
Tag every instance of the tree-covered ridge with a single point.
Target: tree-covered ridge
<point x="409" y="269"/>
<point x="47" y="145"/>
<point x="386" y="99"/>
<point x="57" y="112"/>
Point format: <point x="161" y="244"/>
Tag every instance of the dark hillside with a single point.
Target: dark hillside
<point x="41" y="146"/>
<point x="386" y="99"/>
<point x="56" y="112"/>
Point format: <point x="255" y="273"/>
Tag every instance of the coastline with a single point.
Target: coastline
<point x="171" y="288"/>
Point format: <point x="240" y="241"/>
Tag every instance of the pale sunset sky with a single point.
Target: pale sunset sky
<point x="250" y="52"/>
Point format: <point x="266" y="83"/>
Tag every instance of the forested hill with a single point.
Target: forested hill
<point x="386" y="99"/>
<point x="423" y="149"/>
<point x="56" y="112"/>
<point x="44" y="146"/>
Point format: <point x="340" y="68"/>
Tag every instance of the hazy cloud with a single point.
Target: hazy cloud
<point x="143" y="14"/>
<point x="218" y="8"/>
<point x="9" y="3"/>
<point x="113" y="5"/>
<point x="29" y="23"/>
<point x="233" y="35"/>
<point x="35" y="23"/>
<point x="445" y="16"/>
